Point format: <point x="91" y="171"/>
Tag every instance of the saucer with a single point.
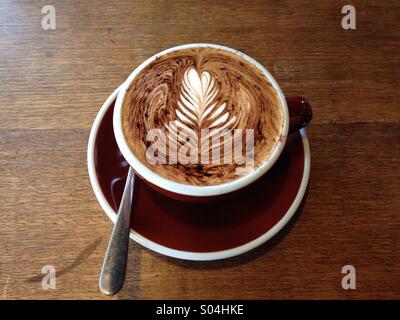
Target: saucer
<point x="199" y="231"/>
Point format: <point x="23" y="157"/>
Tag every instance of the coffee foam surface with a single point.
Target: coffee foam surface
<point x="201" y="88"/>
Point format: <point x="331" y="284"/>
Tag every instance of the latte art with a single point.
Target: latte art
<point x="196" y="105"/>
<point x="191" y="105"/>
<point x="201" y="116"/>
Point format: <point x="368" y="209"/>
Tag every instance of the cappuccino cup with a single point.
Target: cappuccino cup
<point x="199" y="122"/>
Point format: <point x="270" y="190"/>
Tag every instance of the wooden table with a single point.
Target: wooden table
<point x="53" y="82"/>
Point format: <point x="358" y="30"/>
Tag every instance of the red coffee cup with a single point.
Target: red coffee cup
<point x="296" y="111"/>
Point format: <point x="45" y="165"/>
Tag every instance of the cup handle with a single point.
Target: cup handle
<point x="300" y="113"/>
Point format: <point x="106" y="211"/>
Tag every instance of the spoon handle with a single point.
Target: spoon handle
<point x="112" y="274"/>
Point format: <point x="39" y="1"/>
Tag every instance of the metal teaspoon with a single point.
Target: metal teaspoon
<point x="112" y="274"/>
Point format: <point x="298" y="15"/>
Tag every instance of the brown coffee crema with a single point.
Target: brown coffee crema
<point x="186" y="91"/>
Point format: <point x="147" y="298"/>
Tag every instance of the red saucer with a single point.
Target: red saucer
<point x="205" y="231"/>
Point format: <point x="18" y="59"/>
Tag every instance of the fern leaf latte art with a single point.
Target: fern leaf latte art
<point x="198" y="116"/>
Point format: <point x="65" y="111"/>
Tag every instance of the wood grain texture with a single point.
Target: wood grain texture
<point x="53" y="83"/>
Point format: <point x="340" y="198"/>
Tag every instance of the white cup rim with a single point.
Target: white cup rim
<point x="191" y="190"/>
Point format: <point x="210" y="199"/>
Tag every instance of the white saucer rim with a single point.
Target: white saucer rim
<point x="187" y="255"/>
